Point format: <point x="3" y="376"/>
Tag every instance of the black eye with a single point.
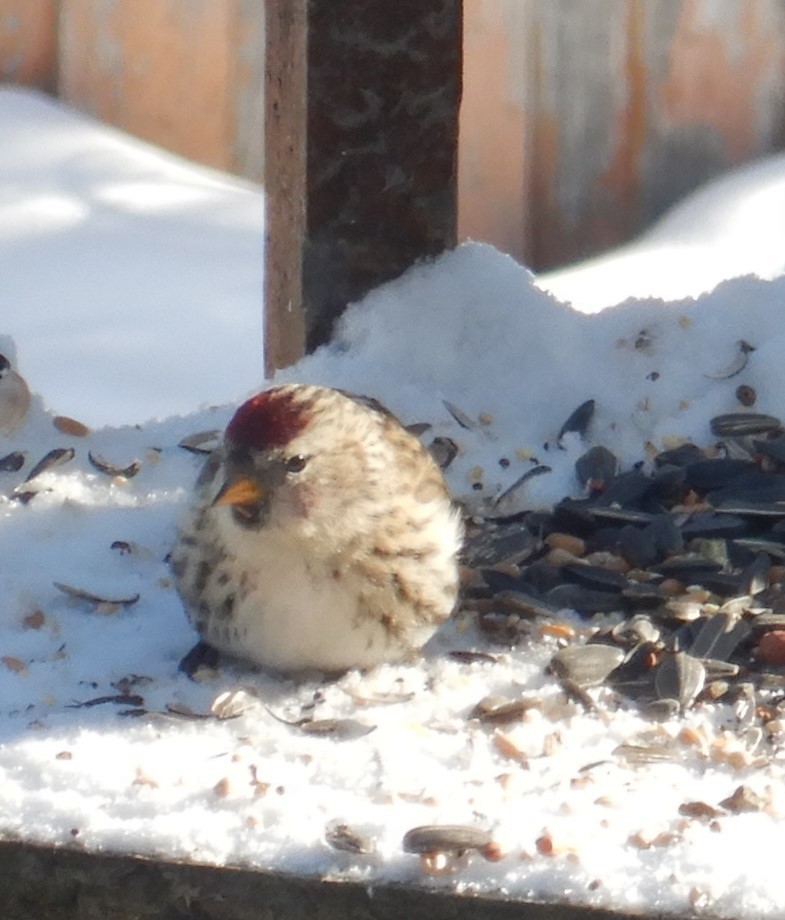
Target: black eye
<point x="296" y="463"/>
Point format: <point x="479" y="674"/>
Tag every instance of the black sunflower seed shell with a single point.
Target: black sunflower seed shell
<point x="587" y="665"/>
<point x="708" y="635"/>
<point x="583" y="600"/>
<point x="12" y="462"/>
<point x="751" y="508"/>
<point x="638" y="547"/>
<point x="743" y="423"/>
<point x="598" y="465"/>
<point x="687" y="565"/>
<point x="773" y="548"/>
<point x="625" y="490"/>
<point x="707" y="475"/>
<point x="683" y="455"/>
<point x="711" y="525"/>
<point x="773" y="448"/>
<point x="755" y="486"/>
<point x="593" y="576"/>
<point x="54" y="458"/>
<point x="445" y="838"/>
<point x="643" y="594"/>
<point x="679" y="677"/>
<point x="578" y="420"/>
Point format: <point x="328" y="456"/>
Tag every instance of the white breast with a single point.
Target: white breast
<point x="296" y="614"/>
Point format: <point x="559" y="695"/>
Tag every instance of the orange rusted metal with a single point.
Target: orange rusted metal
<point x="581" y="121"/>
<point x="161" y="70"/>
<point x="28" y="43"/>
<point x="493" y="156"/>
<point x="625" y="108"/>
<point x="722" y="70"/>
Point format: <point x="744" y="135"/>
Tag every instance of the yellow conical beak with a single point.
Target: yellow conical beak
<point x="243" y="491"/>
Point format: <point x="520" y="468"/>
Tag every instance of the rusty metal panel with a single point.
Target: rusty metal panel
<point x="28" y="43"/>
<point x="185" y="74"/>
<point x="624" y="108"/>
<point x="715" y="94"/>
<point x="493" y="154"/>
<point x="582" y="102"/>
<point x="248" y="40"/>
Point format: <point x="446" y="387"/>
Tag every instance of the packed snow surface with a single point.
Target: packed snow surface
<point x="103" y="743"/>
<point x="132" y="280"/>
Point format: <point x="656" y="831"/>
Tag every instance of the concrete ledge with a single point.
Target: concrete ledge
<point x="62" y="883"/>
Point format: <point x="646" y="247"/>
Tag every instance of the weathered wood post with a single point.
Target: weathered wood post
<point x="361" y="154"/>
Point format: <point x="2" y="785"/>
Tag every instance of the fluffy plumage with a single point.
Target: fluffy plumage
<point x="322" y="536"/>
<point x="14" y="398"/>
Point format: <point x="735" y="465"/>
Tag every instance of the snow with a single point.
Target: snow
<point x="731" y="227"/>
<point x="104" y="239"/>
<point x="131" y="294"/>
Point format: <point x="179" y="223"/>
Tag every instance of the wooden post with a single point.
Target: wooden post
<point x="362" y="127"/>
<point x="285" y="166"/>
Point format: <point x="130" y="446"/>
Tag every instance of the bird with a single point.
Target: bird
<point x="321" y="537"/>
<point x="14" y="398"/>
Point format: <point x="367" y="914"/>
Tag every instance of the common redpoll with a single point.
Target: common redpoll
<point x="322" y="536"/>
<point x="14" y="398"/>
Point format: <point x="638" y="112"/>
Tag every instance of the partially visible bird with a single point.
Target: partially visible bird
<point x="322" y="536"/>
<point x="14" y="398"/>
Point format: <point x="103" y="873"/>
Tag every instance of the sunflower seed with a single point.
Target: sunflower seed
<point x="578" y="420"/>
<point x="445" y="838"/>
<point x="679" y="677"/>
<point x="653" y="752"/>
<point x="339" y="729"/>
<point x="587" y="665"/>
<point x="510" y="491"/>
<point x="643" y="594"/>
<point x="231" y="704"/>
<point x="342" y="837"/>
<point x="683" y="455"/>
<point x="460" y="416"/>
<point x="111" y="469"/>
<point x="583" y="600"/>
<point x="625" y="490"/>
<point x="757" y="545"/>
<point x="753" y="509"/>
<point x="688" y="566"/>
<point x="500" y="710"/>
<point x="635" y="630"/>
<point x="743" y="799"/>
<point x="96" y="599"/>
<point x="596" y="467"/>
<point x="523" y="605"/>
<point x="617" y="513"/>
<point x="710" y="525"/>
<point x="737" y="365"/>
<point x="51" y="460"/>
<point x="707" y="475"/>
<point x="593" y="576"/>
<point x="202" y="442"/>
<point x="443" y="451"/>
<point x="743" y="423"/>
<point x="709" y="634"/>
<point x="419" y="428"/>
<point x="12" y="462"/>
